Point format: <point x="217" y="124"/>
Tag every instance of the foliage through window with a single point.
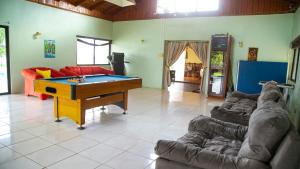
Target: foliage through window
<point x="92" y="51"/>
<point x="186" y="6"/>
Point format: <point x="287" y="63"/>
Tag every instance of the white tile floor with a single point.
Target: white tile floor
<point x="30" y="139"/>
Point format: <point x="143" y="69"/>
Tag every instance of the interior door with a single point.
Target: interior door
<point x="4" y="61"/>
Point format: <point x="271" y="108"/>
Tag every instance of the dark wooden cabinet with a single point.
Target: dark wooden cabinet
<point x="219" y="65"/>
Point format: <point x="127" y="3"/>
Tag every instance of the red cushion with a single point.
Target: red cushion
<point x="68" y="72"/>
<point x="75" y="69"/>
<point x="54" y="73"/>
<point x="86" y="70"/>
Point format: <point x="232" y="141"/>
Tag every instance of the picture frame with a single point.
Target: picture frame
<point x="49" y="48"/>
<point x="252" y="54"/>
<point x="294" y="64"/>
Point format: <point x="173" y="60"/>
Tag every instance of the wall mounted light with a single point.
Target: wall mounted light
<point x="37" y="35"/>
<point x="241" y="44"/>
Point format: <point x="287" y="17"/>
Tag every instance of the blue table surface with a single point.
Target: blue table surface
<point x="92" y="79"/>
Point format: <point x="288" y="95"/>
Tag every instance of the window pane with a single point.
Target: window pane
<point x="85" y="53"/>
<point x="101" y="54"/>
<point x="166" y="6"/>
<point x="184" y="6"/>
<point x="205" y="5"/>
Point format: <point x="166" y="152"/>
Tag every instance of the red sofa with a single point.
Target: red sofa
<point x="85" y="70"/>
<point x="30" y="75"/>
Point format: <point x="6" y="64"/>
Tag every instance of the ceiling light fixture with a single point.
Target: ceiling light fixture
<point x="122" y="3"/>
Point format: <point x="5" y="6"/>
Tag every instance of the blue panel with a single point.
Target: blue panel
<point x="250" y="73"/>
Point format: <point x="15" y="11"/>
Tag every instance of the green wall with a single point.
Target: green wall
<point x="26" y="18"/>
<point x="270" y="33"/>
<point x="294" y="103"/>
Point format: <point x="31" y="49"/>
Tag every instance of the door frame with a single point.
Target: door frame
<point x="6" y="28"/>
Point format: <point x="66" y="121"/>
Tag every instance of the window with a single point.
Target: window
<point x="185" y="6"/>
<point x="92" y="51"/>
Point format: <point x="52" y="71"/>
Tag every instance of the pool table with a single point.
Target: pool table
<point x="71" y="99"/>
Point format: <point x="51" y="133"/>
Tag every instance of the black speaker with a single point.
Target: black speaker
<point x="117" y="61"/>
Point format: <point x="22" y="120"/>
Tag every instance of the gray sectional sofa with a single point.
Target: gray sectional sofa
<point x="238" y="107"/>
<point x="268" y="142"/>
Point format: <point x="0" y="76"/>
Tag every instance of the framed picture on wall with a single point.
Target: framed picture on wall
<point x="49" y="47"/>
<point x="294" y="69"/>
<point x="252" y="54"/>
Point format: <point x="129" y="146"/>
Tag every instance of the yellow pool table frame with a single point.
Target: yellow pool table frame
<point x="73" y="100"/>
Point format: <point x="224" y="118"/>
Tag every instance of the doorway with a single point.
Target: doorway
<point x="185" y="72"/>
<point x="173" y="52"/>
<point x="4" y="61"/>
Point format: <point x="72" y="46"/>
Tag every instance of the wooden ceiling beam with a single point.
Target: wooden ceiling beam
<point x="112" y="10"/>
<point x="95" y="5"/>
<point x="79" y="2"/>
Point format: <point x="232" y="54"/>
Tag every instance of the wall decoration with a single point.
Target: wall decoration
<point x="252" y="54"/>
<point x="294" y="70"/>
<point x="49" y="47"/>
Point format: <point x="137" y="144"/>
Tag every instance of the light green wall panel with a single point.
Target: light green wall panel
<point x="270" y="33"/>
<point x="26" y="18"/>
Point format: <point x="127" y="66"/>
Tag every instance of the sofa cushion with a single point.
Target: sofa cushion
<point x="75" y="69"/>
<point x="269" y="95"/>
<point x="217" y="144"/>
<point x="288" y="153"/>
<point x="100" y="70"/>
<point x="237" y="117"/>
<point x="223" y="145"/>
<point x="235" y="110"/>
<point x="268" y="124"/>
<point x="86" y="70"/>
<point x="245" y="95"/>
<point x="203" y="158"/>
<point x="244" y="105"/>
<point x="270" y="92"/>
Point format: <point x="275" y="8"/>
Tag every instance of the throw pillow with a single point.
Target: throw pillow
<point x="44" y="73"/>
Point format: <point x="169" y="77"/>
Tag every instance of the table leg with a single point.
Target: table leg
<point x="125" y="101"/>
<point x="80" y="127"/>
<point x="56" y="112"/>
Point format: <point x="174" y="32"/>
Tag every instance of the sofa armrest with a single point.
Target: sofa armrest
<point x="203" y="158"/>
<point x="216" y="127"/>
<point x="30" y="74"/>
<point x="245" y="95"/>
